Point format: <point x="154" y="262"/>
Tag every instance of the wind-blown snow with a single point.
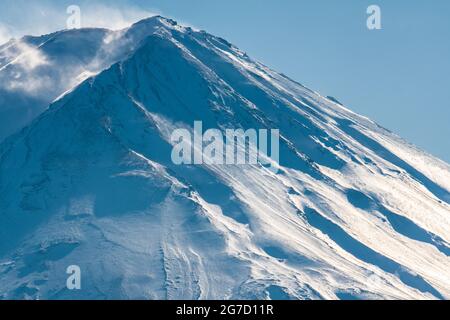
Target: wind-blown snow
<point x="354" y="211"/>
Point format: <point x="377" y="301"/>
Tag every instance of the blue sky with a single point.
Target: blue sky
<point x="398" y="76"/>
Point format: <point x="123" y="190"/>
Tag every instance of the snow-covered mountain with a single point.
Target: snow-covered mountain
<point x="353" y="212"/>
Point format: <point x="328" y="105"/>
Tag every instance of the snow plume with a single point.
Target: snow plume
<point x="112" y="17"/>
<point x="5" y="34"/>
<point x="31" y="18"/>
<point x="42" y="17"/>
<point x="27" y="59"/>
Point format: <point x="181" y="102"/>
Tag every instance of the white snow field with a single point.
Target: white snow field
<point x="87" y="179"/>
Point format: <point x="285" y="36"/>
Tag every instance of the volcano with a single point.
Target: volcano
<point x="87" y="179"/>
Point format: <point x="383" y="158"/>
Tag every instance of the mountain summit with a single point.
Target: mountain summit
<point x="353" y="211"/>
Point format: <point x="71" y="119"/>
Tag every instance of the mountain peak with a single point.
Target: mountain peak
<point x="157" y="20"/>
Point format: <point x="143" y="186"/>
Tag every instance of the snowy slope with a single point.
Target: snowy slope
<point x="354" y="211"/>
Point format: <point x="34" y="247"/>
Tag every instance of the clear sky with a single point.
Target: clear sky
<point x="398" y="76"/>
